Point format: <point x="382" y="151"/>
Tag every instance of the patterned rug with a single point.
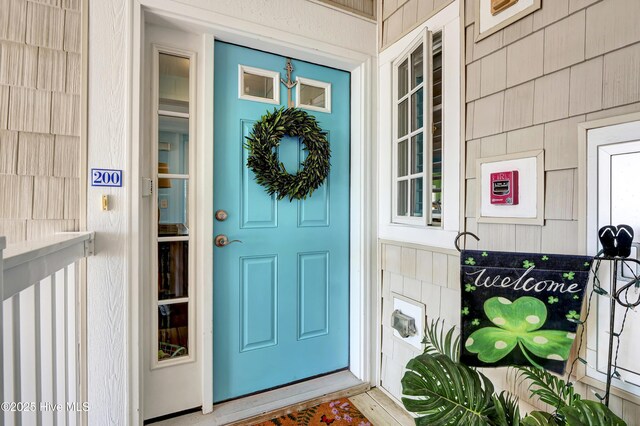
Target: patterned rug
<point x="335" y="413"/>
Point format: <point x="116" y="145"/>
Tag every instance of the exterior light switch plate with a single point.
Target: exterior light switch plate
<point x="413" y="309"/>
<point x="146" y="187"/>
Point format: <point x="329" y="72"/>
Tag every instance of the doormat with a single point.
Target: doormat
<point x="520" y="308"/>
<point x="335" y="413"/>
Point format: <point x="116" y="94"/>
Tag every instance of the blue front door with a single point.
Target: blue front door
<point x="281" y="296"/>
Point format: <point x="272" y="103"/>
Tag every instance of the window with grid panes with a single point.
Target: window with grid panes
<point x="417" y="134"/>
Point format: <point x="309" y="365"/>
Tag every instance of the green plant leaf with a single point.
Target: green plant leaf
<point x="506" y="411"/>
<point x="443" y="392"/>
<point x="539" y="418"/>
<point x="491" y="343"/>
<point x="547" y="387"/>
<point x="589" y="413"/>
<point x="525" y="314"/>
<point x="436" y="342"/>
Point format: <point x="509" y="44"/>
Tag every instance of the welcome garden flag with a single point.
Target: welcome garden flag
<point x="520" y="308"/>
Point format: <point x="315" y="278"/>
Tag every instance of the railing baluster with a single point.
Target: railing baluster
<point x="28" y="393"/>
<point x="37" y="354"/>
<point x="17" y="361"/>
<point x="54" y="346"/>
<point x="71" y="342"/>
<point x="67" y="385"/>
<point x="46" y="350"/>
<point x="61" y="347"/>
<point x="9" y="368"/>
<point x="2" y="322"/>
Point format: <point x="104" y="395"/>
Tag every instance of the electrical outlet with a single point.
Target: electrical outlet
<point x="164" y="203"/>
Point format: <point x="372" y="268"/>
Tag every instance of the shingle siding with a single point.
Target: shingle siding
<point x="40" y="86"/>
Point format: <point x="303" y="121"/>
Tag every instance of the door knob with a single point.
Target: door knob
<point x="221" y="215"/>
<point x="222" y="240"/>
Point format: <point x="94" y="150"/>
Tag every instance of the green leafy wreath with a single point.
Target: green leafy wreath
<point x="263" y="159"/>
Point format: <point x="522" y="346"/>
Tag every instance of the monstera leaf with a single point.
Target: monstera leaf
<point x="443" y="392"/>
<point x="518" y="324"/>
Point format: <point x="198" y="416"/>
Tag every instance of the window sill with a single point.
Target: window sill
<point x="597" y="384"/>
<point x="421" y="235"/>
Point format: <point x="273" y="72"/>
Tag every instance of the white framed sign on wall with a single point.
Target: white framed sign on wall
<point x="511" y="189"/>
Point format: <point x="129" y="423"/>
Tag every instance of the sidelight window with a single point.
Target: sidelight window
<point x="172" y="289"/>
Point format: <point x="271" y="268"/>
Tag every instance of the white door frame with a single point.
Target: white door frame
<point x="211" y="26"/>
<point x="610" y="133"/>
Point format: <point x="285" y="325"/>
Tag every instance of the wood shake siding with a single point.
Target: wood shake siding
<point x="528" y="86"/>
<point x="366" y="8"/>
<point x="40" y="82"/>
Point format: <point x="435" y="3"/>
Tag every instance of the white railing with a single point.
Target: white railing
<point x="42" y="317"/>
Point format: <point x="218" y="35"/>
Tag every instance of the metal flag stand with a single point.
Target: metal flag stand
<point x="618" y="296"/>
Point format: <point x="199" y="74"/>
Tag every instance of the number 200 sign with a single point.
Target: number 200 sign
<point x="106" y="177"/>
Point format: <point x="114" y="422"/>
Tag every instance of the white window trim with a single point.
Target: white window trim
<point x="601" y="140"/>
<point x="275" y="76"/>
<point x="321" y="84"/>
<point x="447" y="21"/>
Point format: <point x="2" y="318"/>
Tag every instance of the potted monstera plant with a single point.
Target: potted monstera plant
<point x="442" y="391"/>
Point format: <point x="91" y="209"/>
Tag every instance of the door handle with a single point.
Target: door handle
<point x="222" y="240"/>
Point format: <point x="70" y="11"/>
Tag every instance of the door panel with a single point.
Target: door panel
<point x="259" y="280"/>
<point x="281" y="296"/>
<point x="313" y="290"/>
<point x="257" y="210"/>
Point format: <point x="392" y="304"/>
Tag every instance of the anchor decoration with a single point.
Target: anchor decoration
<point x="288" y="83"/>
